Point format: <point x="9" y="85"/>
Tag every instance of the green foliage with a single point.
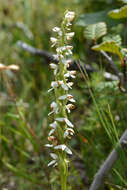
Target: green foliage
<point x="96" y="17"/>
<point x="116" y="38"/>
<point x="118" y="13"/>
<point x="95" y="31"/>
<point x="99" y="118"/>
<point x="109" y="46"/>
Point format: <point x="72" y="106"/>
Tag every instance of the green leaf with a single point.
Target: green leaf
<point x="116" y="38"/>
<point x="119" y="13"/>
<point x="95" y="31"/>
<point x="123" y="1"/>
<point x="96" y="17"/>
<point x="109" y="46"/>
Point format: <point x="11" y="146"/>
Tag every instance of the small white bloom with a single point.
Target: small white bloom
<point x="56" y="57"/>
<point x="54" y="84"/>
<point x="69" y="132"/>
<point x="54" y="41"/>
<point x="63" y="147"/>
<point x="69" y="107"/>
<point x="13" y="67"/>
<point x="65" y="120"/>
<point x="53" y="125"/>
<point x="69" y="52"/>
<point x="54" y="108"/>
<point x="51" y="132"/>
<point x="55" y="67"/>
<point x="69" y="47"/>
<point x="69" y="97"/>
<point x="60" y="119"/>
<point x="70" y="84"/>
<point x="52" y="163"/>
<point x="2" y="66"/>
<point x="54" y="156"/>
<point x="60" y="50"/>
<point x="70" y="74"/>
<point x="63" y="85"/>
<point x="68" y="123"/>
<point x="49" y="145"/>
<point x="70" y="35"/>
<point x="70" y="15"/>
<point x="56" y="29"/>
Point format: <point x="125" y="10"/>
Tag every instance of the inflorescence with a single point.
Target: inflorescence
<point x="61" y="128"/>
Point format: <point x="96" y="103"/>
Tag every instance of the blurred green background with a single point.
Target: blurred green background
<point x="24" y="116"/>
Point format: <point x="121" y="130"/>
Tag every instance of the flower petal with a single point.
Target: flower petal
<point x="51" y="163"/>
<point x="49" y="145"/>
<point x="54" y="156"/>
<point x="68" y="123"/>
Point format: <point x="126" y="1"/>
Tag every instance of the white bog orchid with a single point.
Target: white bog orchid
<point x="61" y="129"/>
<point x="63" y="147"/>
<point x="69" y="16"/>
<point x="65" y="120"/>
<point x="68" y="133"/>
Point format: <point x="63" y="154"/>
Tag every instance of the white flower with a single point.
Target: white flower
<point x="69" y="47"/>
<point x="69" y="107"/>
<point x="70" y="84"/>
<point x="49" y="145"/>
<point x="54" y="108"/>
<point x="54" y="85"/>
<point x="56" y="57"/>
<point x="63" y="147"/>
<point x="70" y="15"/>
<point x="69" y="52"/>
<point x="13" y="67"/>
<point x="54" y="156"/>
<point x="56" y="29"/>
<point x="51" y="132"/>
<point x="54" y="161"/>
<point x="54" y="41"/>
<point x="70" y="35"/>
<point x="69" y="97"/>
<point x="70" y="74"/>
<point x="65" y="120"/>
<point x="55" y="67"/>
<point x="68" y="123"/>
<point x="63" y="85"/>
<point x="53" y="125"/>
<point x="68" y="133"/>
<point x="66" y="62"/>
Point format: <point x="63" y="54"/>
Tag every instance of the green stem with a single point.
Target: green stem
<point x="63" y="172"/>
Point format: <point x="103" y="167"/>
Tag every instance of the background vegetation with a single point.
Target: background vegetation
<point x="100" y="115"/>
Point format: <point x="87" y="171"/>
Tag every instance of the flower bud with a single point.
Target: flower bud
<point x="69" y="16"/>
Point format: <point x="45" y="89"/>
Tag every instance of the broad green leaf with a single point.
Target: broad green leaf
<point x="96" y="17"/>
<point x="119" y="13"/>
<point x="124" y="1"/>
<point x="109" y="46"/>
<point x="116" y="38"/>
<point x="95" y="31"/>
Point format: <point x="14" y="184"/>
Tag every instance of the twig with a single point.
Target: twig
<point x="112" y="65"/>
<point x="49" y="57"/>
<point x="108" y="164"/>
